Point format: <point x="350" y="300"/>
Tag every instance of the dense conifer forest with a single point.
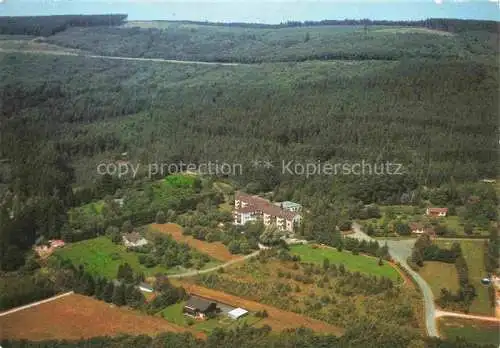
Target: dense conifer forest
<point x="420" y="95"/>
<point x="49" y="25"/>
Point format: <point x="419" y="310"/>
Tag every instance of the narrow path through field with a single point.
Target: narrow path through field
<point x="208" y="270"/>
<point x="440" y="313"/>
<point x="93" y="56"/>
<point x="34" y="304"/>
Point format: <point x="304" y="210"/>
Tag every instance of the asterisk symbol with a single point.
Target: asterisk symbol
<point x="268" y="164"/>
<point x="256" y="163"/>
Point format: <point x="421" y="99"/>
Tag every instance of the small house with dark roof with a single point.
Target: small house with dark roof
<point x="199" y="307"/>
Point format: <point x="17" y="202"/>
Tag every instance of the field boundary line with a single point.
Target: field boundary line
<point x="34" y="304"/>
<point x="441" y="314"/>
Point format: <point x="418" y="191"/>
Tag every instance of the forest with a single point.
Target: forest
<point x="245" y="337"/>
<point x="174" y="40"/>
<point x="49" y="25"/>
<point x="446" y="24"/>
<point x="62" y="116"/>
<point x="422" y="95"/>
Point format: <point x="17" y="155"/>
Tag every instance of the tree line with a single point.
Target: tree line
<point x="251" y="337"/>
<point x="50" y="25"/>
<point x="425" y="250"/>
<point x="447" y="24"/>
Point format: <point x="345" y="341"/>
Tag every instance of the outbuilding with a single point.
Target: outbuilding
<point x="237" y="313"/>
<point x="145" y="287"/>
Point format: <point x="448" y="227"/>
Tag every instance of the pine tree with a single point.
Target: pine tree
<point x="118" y="297"/>
<point x="108" y="292"/>
<point x="88" y="285"/>
<point x="326" y="263"/>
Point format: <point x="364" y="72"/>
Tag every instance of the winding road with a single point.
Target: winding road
<point x="399" y="251"/>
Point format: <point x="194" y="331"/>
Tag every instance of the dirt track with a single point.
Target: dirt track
<point x="75" y="316"/>
<point x="66" y="52"/>
<point x="440" y="313"/>
<point x="278" y="319"/>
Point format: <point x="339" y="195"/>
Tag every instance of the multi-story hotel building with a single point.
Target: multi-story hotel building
<point x="252" y="208"/>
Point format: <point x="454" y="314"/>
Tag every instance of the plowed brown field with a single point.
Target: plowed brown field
<point x="217" y="250"/>
<point x="76" y="316"/>
<point x="278" y="319"/>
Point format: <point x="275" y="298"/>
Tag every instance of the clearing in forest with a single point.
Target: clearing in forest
<point x="75" y="316"/>
<point x="473" y="252"/>
<point x="217" y="250"/>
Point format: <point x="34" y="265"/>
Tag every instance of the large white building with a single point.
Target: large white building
<point x="251" y="208"/>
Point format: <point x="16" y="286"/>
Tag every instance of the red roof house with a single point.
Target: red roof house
<point x="436" y="212"/>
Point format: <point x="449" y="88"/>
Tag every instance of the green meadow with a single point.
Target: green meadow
<point x="354" y="263"/>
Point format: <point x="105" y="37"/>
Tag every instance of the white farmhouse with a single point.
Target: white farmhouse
<point x="134" y="239"/>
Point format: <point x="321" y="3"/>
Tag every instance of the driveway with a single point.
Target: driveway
<point x="400" y="250"/>
<point x="208" y="270"/>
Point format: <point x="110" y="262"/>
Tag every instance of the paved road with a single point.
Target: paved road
<point x="92" y="56"/>
<point x="399" y="251"/>
<point x="208" y="270"/>
<point x="465" y="316"/>
<point x="34" y="304"/>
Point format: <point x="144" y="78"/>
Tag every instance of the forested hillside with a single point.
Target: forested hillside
<point x="423" y="114"/>
<point x="174" y="40"/>
<point x="49" y="25"/>
<point x="418" y="97"/>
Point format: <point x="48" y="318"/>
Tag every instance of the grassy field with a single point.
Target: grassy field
<point x="75" y="316"/>
<point x="474" y="256"/>
<point x="174" y="315"/>
<point x="472" y="330"/>
<point x="101" y="256"/>
<point x="455" y="224"/>
<point x="217" y="250"/>
<point x="440" y="275"/>
<point x="360" y="263"/>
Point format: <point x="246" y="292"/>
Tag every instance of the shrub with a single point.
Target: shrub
<point x="127" y="227"/>
<point x="160" y="217"/>
<point x="115" y="256"/>
<point x="234" y="247"/>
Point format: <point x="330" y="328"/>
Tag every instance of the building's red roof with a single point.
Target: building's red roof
<point x="437" y="210"/>
<point x="56" y="243"/>
<point x="256" y="203"/>
<point x="248" y="209"/>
